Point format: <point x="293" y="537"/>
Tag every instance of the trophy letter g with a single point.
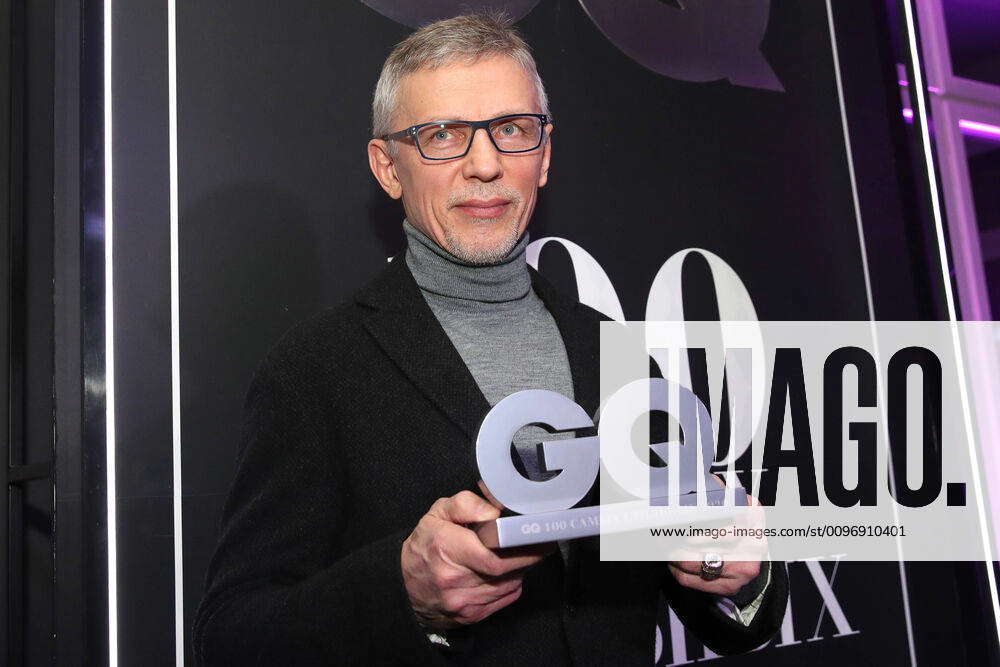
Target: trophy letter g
<point x="577" y="459"/>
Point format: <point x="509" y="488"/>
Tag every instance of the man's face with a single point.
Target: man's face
<point x="477" y="206"/>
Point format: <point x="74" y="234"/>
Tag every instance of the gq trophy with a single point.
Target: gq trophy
<point x="545" y="511"/>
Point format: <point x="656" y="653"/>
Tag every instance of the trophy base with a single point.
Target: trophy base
<point x="579" y="522"/>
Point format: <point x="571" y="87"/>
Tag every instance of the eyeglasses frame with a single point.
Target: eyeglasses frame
<point x="412" y="131"/>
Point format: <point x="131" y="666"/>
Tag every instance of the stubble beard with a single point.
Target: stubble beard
<point x="480" y="255"/>
<point x="477" y="254"/>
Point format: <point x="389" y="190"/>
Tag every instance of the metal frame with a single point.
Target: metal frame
<point x="937" y="58"/>
<point x="953" y="99"/>
<point x="950" y="98"/>
<point x="16" y="472"/>
<point x="69" y="525"/>
<point x="17" y="42"/>
<point x="6" y="193"/>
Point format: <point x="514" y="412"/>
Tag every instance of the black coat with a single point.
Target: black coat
<point x="355" y="423"/>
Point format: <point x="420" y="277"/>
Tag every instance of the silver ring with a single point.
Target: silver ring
<point x="711" y="566"/>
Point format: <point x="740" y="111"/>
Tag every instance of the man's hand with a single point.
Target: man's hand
<point x="735" y="574"/>
<point x="451" y="578"/>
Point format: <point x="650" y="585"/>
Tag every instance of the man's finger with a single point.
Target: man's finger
<point x="694" y="568"/>
<point x="466" y="507"/>
<point x="541" y="549"/>
<point x="688" y="566"/>
<point x="492" y="590"/>
<point x="720" y="586"/>
<point x="467" y="551"/>
<point x="489" y="496"/>
<point x="478" y="612"/>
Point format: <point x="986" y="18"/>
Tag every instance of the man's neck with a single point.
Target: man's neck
<point x="439" y="272"/>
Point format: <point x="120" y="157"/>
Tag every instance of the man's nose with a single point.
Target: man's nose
<point x="483" y="160"/>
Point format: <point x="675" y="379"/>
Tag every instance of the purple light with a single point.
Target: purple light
<point x="984" y="130"/>
<point x="972" y="128"/>
<point x="933" y="89"/>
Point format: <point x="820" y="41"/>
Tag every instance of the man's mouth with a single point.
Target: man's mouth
<point x="484" y="208"/>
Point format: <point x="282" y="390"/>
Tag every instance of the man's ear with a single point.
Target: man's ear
<point x="543" y="177"/>
<point x="383" y="167"/>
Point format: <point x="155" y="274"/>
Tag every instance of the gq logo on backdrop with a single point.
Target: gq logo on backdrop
<point x="689" y="40"/>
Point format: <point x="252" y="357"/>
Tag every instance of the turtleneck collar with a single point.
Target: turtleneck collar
<point x="439" y="272"/>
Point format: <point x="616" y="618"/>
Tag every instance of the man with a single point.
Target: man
<point x="346" y="538"/>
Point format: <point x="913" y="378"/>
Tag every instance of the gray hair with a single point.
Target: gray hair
<point x="470" y="38"/>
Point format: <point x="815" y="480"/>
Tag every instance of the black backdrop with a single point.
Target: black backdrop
<point x="278" y="216"/>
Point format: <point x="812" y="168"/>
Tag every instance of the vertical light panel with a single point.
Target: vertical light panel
<point x="175" y="354"/>
<point x="109" y="345"/>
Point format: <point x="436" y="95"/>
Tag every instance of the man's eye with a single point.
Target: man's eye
<point x="508" y="130"/>
<point x="442" y="135"/>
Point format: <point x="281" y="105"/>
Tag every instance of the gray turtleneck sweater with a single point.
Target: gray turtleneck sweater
<point x="500" y="327"/>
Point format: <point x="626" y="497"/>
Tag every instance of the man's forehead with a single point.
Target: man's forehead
<point x="489" y="87"/>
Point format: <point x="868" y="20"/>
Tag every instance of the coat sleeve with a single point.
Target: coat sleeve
<point x="701" y="614"/>
<point x="699" y="611"/>
<point x="279" y="589"/>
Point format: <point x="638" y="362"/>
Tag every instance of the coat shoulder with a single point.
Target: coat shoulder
<point x="330" y="336"/>
<point x="318" y="336"/>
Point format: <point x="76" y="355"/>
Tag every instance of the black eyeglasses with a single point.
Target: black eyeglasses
<point x="450" y="139"/>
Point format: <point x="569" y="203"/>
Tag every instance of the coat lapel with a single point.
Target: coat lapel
<point x="404" y="326"/>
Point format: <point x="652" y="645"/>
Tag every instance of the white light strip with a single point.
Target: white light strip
<point x="850" y="163"/>
<point x="109" y="351"/>
<point x="871" y="309"/>
<point x="175" y="353"/>
<point x="920" y="115"/>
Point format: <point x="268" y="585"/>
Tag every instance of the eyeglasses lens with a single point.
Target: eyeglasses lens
<point x="512" y="134"/>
